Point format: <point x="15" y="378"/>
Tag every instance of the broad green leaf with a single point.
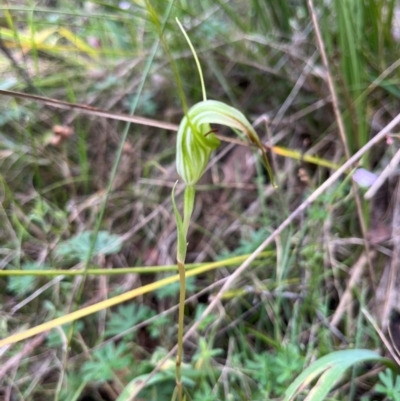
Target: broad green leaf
<point x="331" y="368"/>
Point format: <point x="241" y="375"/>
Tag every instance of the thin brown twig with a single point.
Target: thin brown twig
<point x="339" y="120"/>
<point x="91" y="110"/>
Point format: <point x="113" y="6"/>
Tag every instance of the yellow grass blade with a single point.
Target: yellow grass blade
<point x="39" y="40"/>
<point x="295" y="154"/>
<point x="40" y="37"/>
<point x="79" y="43"/>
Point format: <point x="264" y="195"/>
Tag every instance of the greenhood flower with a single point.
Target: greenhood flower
<point x="196" y="141"/>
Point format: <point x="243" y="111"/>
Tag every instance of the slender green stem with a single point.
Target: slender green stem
<point x="188" y="208"/>
<point x="179" y="354"/>
<point x="131" y="270"/>
<point x="182" y="228"/>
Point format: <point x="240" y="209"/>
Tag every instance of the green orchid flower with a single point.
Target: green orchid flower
<point x="196" y="140"/>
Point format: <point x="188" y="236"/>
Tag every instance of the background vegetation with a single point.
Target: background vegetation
<point x="82" y="191"/>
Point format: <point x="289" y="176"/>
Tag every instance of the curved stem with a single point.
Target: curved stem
<point x="203" y="87"/>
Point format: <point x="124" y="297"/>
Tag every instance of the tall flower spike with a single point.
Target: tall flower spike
<point x="196" y="141"/>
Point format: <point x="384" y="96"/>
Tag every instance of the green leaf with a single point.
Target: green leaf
<point x="79" y="246"/>
<point x="127" y="317"/>
<point x="105" y="361"/>
<point x="247" y="245"/>
<point x="390" y="385"/>
<point x="331" y="368"/>
<point x="273" y="372"/>
<point x="205" y="353"/>
<point x="157" y="327"/>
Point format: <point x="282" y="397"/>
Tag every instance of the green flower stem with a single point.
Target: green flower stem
<point x="183" y="227"/>
<point x="189" y="197"/>
<point x="181" y="316"/>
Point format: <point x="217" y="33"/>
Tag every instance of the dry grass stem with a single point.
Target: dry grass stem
<point x="93" y="111"/>
<point x="346" y="298"/>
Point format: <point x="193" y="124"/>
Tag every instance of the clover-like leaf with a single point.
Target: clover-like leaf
<point x="79" y="246"/>
<point x="127" y="317"/>
<point x="390" y="385"/>
<point x="105" y="361"/>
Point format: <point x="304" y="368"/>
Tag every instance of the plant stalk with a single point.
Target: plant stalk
<point x="183" y="227"/>
<point x="181" y="316"/>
